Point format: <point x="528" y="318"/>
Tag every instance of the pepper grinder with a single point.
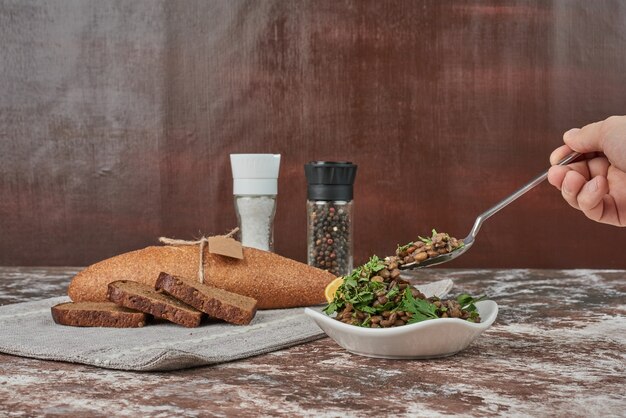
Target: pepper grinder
<point x="255" y="186"/>
<point x="329" y="214"/>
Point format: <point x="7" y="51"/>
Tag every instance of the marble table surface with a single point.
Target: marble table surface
<point x="558" y="348"/>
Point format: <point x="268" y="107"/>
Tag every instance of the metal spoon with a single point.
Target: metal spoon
<point x="469" y="240"/>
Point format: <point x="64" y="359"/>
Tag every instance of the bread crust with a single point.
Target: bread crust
<point x="274" y="281"/>
<point x="97" y="314"/>
<point x="215" y="302"/>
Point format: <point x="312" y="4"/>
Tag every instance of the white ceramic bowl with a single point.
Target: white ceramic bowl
<point x="427" y="339"/>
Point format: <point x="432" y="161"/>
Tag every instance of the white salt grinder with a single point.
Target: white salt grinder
<point x="255" y="185"/>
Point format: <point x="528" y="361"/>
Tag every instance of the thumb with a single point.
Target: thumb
<point x="584" y="140"/>
<point x="607" y="136"/>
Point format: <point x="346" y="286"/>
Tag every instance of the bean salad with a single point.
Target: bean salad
<point x="375" y="296"/>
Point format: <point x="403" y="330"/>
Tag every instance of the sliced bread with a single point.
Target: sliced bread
<point x="146" y="299"/>
<point x="97" y="314"/>
<point x="217" y="303"/>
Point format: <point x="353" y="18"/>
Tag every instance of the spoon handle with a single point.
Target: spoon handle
<point x="537" y="180"/>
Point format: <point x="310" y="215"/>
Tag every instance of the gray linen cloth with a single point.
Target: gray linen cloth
<point x="27" y="329"/>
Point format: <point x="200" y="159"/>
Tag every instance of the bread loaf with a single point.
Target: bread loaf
<point x="274" y="281"/>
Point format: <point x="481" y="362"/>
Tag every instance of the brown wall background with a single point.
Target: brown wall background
<point x="117" y="118"/>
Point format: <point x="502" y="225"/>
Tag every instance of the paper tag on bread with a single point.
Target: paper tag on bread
<point x="226" y="246"/>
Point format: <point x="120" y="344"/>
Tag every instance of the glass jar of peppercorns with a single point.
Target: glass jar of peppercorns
<point x="329" y="214"/>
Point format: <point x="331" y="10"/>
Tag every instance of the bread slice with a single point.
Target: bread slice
<point x="274" y="281"/>
<point x="97" y="314"/>
<point x="217" y="303"/>
<point x="146" y="299"/>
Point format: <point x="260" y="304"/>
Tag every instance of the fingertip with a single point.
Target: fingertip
<point x="571" y="186"/>
<point x="573" y="138"/>
<point x="586" y="139"/>
<point x="572" y="183"/>
<point x="602" y="184"/>
<point x="591" y="195"/>
<point x="570" y="134"/>
<point x="558" y="154"/>
<point x="556" y="175"/>
<point x="553" y="159"/>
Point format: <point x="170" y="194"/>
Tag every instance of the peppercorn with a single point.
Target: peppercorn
<point x="328" y="249"/>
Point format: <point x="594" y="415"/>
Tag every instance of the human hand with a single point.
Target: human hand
<point x="597" y="185"/>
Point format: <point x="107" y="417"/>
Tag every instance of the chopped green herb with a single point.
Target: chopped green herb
<point x="467" y="302"/>
<point x="420" y="309"/>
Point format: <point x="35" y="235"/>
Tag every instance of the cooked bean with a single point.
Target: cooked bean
<point x="421" y="256"/>
<point x="455" y="313"/>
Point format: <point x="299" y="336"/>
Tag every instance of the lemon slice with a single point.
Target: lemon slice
<point x="331" y="289"/>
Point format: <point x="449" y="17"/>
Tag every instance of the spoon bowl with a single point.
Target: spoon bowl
<point x="440" y="259"/>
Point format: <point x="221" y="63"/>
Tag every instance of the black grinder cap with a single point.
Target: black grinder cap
<point x="329" y="180"/>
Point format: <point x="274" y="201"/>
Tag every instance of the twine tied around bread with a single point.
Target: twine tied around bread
<point x="201" y="242"/>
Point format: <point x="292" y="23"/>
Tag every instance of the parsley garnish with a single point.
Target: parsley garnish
<point x="468" y="303"/>
<point x="420" y="309"/>
<point x="428" y="240"/>
<point x="357" y="288"/>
